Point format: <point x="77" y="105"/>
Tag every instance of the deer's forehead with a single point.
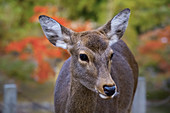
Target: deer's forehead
<point x="94" y="41"/>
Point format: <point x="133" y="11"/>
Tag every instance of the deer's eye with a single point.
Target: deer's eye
<point x="84" y="57"/>
<point x="111" y="56"/>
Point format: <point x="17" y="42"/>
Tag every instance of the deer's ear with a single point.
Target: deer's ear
<point x="57" y="34"/>
<point x="116" y="27"/>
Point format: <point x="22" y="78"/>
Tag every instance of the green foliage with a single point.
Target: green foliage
<point x="15" y="19"/>
<point x="157" y="94"/>
<point x="92" y="9"/>
<point x="16" y="69"/>
<point x="146" y="14"/>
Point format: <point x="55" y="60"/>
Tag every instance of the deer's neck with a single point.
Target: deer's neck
<point x="81" y="99"/>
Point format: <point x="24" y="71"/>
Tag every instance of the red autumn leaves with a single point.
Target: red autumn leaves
<point x="40" y="50"/>
<point x="156" y="46"/>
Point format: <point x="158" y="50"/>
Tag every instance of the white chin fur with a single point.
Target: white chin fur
<point x="103" y="96"/>
<point x="106" y="97"/>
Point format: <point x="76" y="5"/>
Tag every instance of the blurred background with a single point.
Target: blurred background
<point x="28" y="60"/>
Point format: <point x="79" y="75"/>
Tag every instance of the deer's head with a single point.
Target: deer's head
<point x="90" y="50"/>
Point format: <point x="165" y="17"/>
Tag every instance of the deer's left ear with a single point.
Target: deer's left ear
<point x="116" y="27"/>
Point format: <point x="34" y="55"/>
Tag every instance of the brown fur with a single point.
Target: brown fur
<point x="74" y="97"/>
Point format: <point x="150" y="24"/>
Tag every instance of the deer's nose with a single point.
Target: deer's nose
<point x="109" y="90"/>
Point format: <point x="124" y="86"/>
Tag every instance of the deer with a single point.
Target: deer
<point x="101" y="74"/>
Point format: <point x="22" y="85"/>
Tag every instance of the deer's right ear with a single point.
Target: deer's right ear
<point x="116" y="27"/>
<point x="57" y="34"/>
